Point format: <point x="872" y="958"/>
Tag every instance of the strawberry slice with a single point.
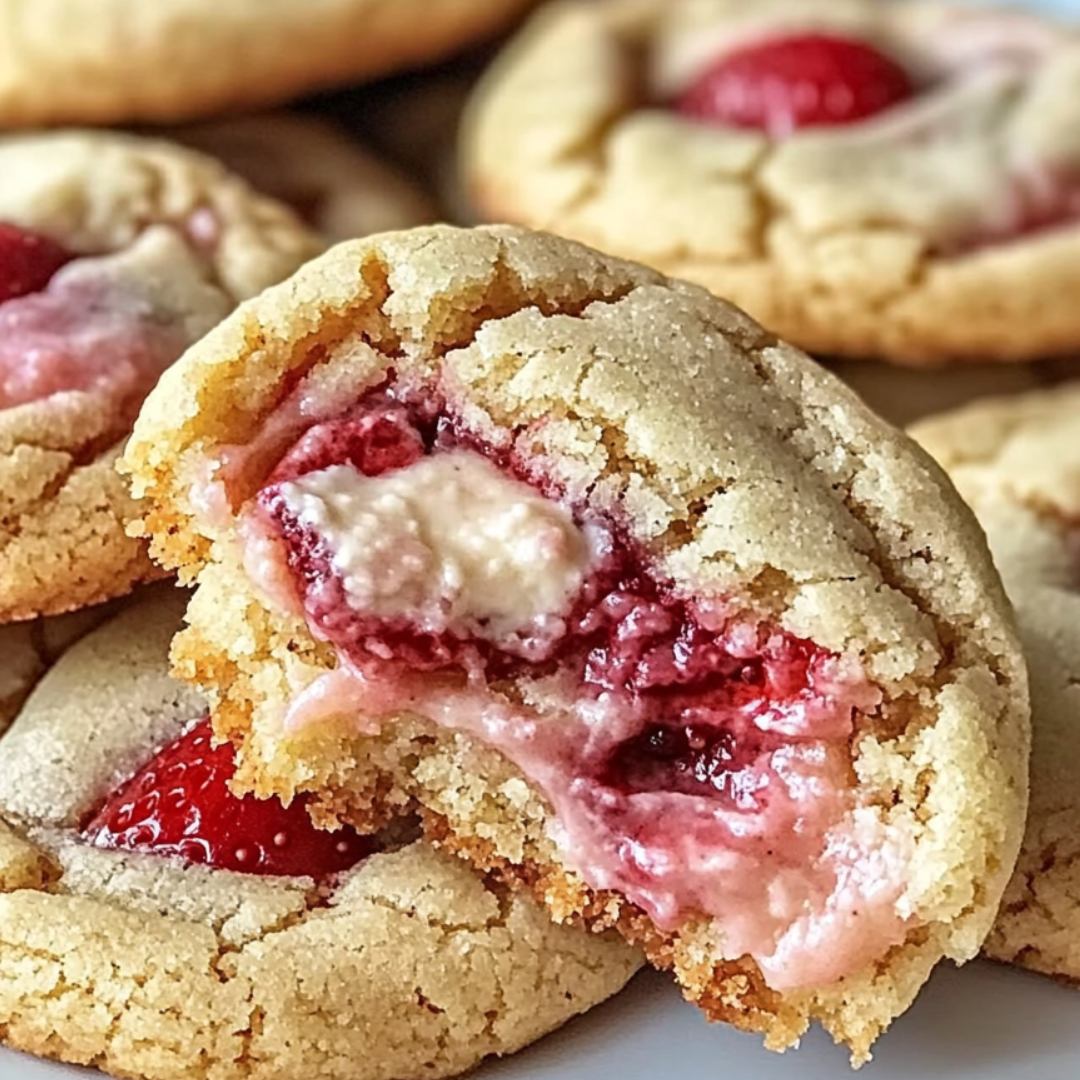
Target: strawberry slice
<point x="180" y="804"/>
<point x="802" y="80"/>
<point x="27" y="261"/>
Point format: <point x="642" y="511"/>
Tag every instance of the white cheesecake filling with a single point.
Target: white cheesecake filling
<point x="450" y="544"/>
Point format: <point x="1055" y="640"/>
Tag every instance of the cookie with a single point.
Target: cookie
<point x="115" y="254"/>
<point x="123" y="62"/>
<point x="1017" y="460"/>
<point x="316" y="168"/>
<point x="150" y="965"/>
<point x="635" y="587"/>
<point x="29" y="649"/>
<point x="869" y="180"/>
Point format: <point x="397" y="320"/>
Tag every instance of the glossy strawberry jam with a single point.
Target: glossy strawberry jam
<point x="697" y="758"/>
<point x="621" y="633"/>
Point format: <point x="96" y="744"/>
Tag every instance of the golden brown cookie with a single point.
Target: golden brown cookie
<point x="872" y="180"/>
<point x="115" y="254"/>
<point x="122" y="61"/>
<point x="1017" y="462"/>
<point x="313" y="166"/>
<point x="639" y="605"/>
<point x="149" y="965"/>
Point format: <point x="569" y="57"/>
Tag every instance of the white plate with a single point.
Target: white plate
<point x="984" y="1022"/>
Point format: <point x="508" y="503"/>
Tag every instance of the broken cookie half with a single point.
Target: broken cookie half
<point x="635" y="603"/>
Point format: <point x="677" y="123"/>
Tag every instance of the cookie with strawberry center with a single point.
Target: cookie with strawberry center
<point x="156" y="925"/>
<point x="1016" y="461"/>
<point x="123" y="61"/>
<point x="116" y="253"/>
<point x="638" y="605"/>
<point x="892" y="181"/>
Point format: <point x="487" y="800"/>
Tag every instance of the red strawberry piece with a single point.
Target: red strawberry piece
<point x="803" y="80"/>
<point x="27" y="261"/>
<point x="374" y="441"/>
<point x="180" y="804"/>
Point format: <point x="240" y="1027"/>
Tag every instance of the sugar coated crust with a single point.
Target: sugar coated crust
<point x="315" y="167"/>
<point x="62" y="505"/>
<point x="743" y="468"/>
<point x="126" y="61"/>
<point x="1016" y="461"/>
<point x="849" y="241"/>
<point x="410" y="966"/>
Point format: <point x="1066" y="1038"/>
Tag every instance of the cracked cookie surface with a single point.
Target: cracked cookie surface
<point x="941" y="229"/>
<point x="408" y="966"/>
<point x="746" y="479"/>
<point x="180" y="59"/>
<point x="161" y="243"/>
<point x="314" y="166"/>
<point x="1016" y="461"/>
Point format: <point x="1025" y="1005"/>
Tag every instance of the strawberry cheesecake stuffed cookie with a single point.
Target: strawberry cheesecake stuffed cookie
<point x="115" y="254"/>
<point x="868" y="179"/>
<point x="1016" y="461"/>
<point x="157" y="926"/>
<point x="638" y="605"/>
<point x="122" y="61"/>
<point x="316" y="168"/>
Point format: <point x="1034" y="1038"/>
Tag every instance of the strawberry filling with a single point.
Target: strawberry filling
<point x="27" y="261"/>
<point x="697" y="759"/>
<point x="1037" y="202"/>
<point x="105" y="326"/>
<point x="799" y="81"/>
<point x="179" y="804"/>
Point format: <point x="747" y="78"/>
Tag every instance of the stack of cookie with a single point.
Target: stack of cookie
<point x="537" y="611"/>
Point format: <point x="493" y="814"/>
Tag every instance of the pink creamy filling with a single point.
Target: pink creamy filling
<point x="697" y="760"/>
<point x="86" y="336"/>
